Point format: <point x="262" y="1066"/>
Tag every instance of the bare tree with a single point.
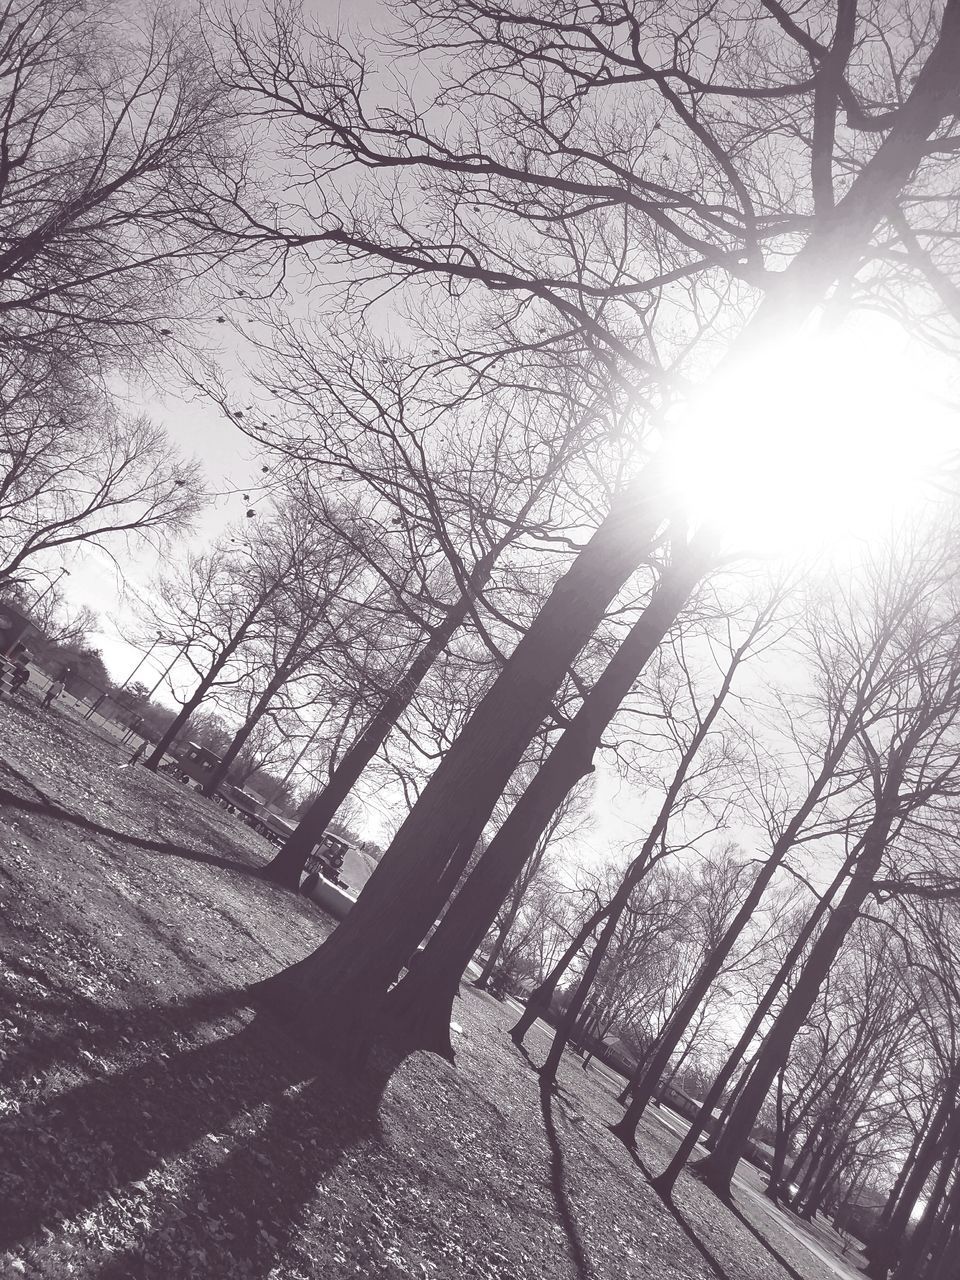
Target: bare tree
<point x="115" y="135"/>
<point x="73" y="470"/>
<point x="466" y="498"/>
<point x="909" y="752"/>
<point x="298" y="627"/>
<point x="820" y="234"/>
<point x="221" y="603"/>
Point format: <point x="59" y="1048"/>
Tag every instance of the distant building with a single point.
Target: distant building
<point x="16" y="627"/>
<point x="859" y="1214"/>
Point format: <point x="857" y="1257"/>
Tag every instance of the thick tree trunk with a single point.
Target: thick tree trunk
<point x="287" y="866"/>
<point x="423" y="1001"/>
<point x="337" y="993"/>
<point x="718" y="1168"/>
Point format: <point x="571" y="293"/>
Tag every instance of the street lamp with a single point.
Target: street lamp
<point x="173" y="662"/>
<point x="51" y="584"/>
<point x="142" y="660"/>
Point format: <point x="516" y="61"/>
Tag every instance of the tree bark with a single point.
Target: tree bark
<point x="923" y="1236"/>
<point x="644" y="1089"/>
<point x="640" y="865"/>
<point x="542" y="997"/>
<point x="423" y="1000"/>
<point x="337" y="993"/>
<point x="200" y="692"/>
<point x="276" y="683"/>
<point x="884" y="1248"/>
<point x="480" y="982"/>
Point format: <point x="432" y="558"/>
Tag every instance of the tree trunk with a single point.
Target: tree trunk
<point x="423" y="1001"/>
<point x="565" y="1027"/>
<point x="685" y="1054"/>
<point x="644" y="1089"/>
<point x="923" y="1236"/>
<point x="718" y="1168"/>
<point x="276" y="683"/>
<point x="780" y="1145"/>
<point x="337" y="993"/>
<point x="822" y="1162"/>
<point x="884" y="1249"/>
<point x="287" y="866"/>
<point x="200" y="692"/>
<point x="496" y="950"/>
<point x="542" y="997"/>
<point x="640" y="865"/>
<point x="919" y="1139"/>
<point x="517" y="895"/>
<point x="943" y="1248"/>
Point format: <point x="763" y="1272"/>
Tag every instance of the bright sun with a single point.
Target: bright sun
<point x="812" y="444"/>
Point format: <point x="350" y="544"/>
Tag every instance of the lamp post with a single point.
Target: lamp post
<point x="142" y="661"/>
<point x="64" y="573"/>
<point x="173" y="662"/>
<point x="303" y="751"/>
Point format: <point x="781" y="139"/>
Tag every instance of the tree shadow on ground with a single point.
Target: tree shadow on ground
<point x="229" y="1106"/>
<point x="61" y="1026"/>
<point x="45" y="807"/>
<point x="777" y="1256"/>
<point x="247" y="1212"/>
<point x="711" y="1260"/>
<point x="558" y="1185"/>
<point x="74" y="1145"/>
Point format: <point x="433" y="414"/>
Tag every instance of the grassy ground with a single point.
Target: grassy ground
<point x="152" y="1126"/>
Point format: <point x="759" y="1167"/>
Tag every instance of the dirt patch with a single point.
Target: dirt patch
<point x="152" y="1126"/>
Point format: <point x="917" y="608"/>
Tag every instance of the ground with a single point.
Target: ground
<point x="152" y="1125"/>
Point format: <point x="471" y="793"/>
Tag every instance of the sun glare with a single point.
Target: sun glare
<point x="809" y="445"/>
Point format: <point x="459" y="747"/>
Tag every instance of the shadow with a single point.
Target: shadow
<point x="92" y="1029"/>
<point x="47" y="808"/>
<point x="778" y="1257"/>
<point x="63" y="1154"/>
<point x="709" y="1258"/>
<point x="558" y="1185"/>
<point x="250" y="1209"/>
<point x="120" y="1133"/>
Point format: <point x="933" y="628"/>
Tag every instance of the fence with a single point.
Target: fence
<point x="104" y="710"/>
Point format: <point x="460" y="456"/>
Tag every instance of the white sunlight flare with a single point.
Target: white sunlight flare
<point x="808" y="446"/>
